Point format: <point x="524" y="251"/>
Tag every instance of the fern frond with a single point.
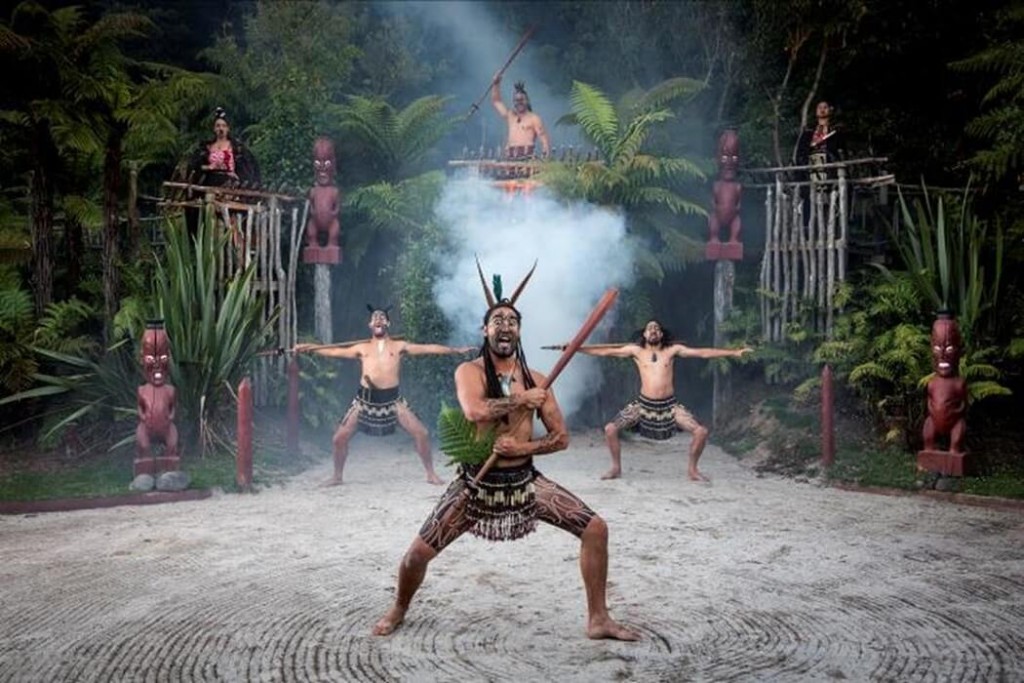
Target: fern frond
<point x="458" y="437"/>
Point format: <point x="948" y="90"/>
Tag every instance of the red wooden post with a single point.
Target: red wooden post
<point x="243" y="461"/>
<point x="293" y="405"/>
<point x="828" y="432"/>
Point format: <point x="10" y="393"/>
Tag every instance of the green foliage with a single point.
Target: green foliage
<point x="322" y="404"/>
<point x="887" y="467"/>
<point x="426" y="379"/>
<point x="1001" y="123"/>
<point x="96" y="397"/>
<point x="215" y="329"/>
<point x="950" y="264"/>
<point x="629" y="176"/>
<point x="458" y="437"/>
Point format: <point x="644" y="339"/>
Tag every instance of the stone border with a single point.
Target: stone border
<point x="21" y="507"/>
<point x="993" y="502"/>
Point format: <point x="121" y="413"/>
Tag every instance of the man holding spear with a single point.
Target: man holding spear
<point x="499" y="394"/>
<point x="655" y="413"/>
<point x="378" y="405"/>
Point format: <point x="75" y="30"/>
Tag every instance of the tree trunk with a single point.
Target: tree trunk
<point x="41" y="192"/>
<point x="111" y="185"/>
<point x="74" y="247"/>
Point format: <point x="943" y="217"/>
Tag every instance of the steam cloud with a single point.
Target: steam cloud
<point x="581" y="251"/>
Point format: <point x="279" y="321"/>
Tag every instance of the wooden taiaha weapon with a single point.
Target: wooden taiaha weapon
<point x="339" y="345"/>
<point x="515" y="52"/>
<point x="571" y="348"/>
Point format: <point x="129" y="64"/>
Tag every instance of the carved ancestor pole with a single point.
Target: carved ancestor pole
<point x="828" y="414"/>
<point x="293" y="405"/>
<point x="570" y="350"/>
<point x="243" y="460"/>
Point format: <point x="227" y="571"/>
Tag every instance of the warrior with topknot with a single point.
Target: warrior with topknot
<point x="499" y="394"/>
<point x="524" y="126"/>
<point x="378" y="405"/>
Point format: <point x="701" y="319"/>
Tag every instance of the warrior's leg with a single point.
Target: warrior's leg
<point x="687" y="422"/>
<point x="339" y="442"/>
<point x="627" y="417"/>
<point x="446" y="523"/>
<point x="411" y="571"/>
<point x="562" y="508"/>
<point x="412" y="424"/>
<point x="594" y="567"/>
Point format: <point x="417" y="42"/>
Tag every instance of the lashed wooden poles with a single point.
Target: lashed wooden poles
<point x="591" y="322"/>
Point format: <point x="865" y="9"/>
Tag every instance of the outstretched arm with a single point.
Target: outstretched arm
<point x="435" y="349"/>
<point x="624" y="351"/>
<point x="332" y="352"/>
<point x="496" y="96"/>
<point x="683" y="351"/>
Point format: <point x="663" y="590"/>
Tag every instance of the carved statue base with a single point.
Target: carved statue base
<point x="328" y="255"/>
<point x="941" y="462"/>
<point x="155" y="466"/>
<point x="723" y="251"/>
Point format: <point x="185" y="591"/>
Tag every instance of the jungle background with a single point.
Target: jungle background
<point x="99" y="91"/>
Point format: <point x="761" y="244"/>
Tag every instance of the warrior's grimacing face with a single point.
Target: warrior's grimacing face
<point x="379" y="323"/>
<point x="502" y="331"/>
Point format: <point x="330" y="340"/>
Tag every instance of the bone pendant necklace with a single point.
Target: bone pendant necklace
<point x="654" y="357"/>
<point x="381" y="345"/>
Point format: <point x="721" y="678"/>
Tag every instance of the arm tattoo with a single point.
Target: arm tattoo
<point x="548" y="444"/>
<point x="499" y="407"/>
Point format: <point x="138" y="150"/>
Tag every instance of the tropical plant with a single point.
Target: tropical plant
<point x="215" y="328"/>
<point x="629" y="176"/>
<point x="949" y="262"/>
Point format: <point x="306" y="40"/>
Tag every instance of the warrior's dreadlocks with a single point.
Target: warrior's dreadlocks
<point x="493" y="384"/>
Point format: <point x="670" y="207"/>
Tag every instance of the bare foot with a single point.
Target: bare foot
<point x="697" y="476"/>
<point x="432" y="478"/>
<point x="389" y="622"/>
<point x="333" y="481"/>
<point x="613" y="473"/>
<point x="609" y="628"/>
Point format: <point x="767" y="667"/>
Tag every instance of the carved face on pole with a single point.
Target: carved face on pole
<point x="324" y="162"/>
<point x="947" y="346"/>
<point x="156" y="354"/>
<point x="379" y="323"/>
<point x="728" y="155"/>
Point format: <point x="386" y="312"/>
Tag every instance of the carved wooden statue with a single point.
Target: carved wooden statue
<point x="156" y="403"/>
<point x="947" y="401"/>
<point x="725" y="210"/>
<point x="324" y="203"/>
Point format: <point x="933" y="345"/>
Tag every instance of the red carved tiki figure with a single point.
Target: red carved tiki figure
<point x="324" y="201"/>
<point x="156" y="399"/>
<point x="726" y="194"/>
<point x="947" y="401"/>
<point x="947" y="391"/>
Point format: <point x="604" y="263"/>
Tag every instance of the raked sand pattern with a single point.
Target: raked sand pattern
<point x="745" y="579"/>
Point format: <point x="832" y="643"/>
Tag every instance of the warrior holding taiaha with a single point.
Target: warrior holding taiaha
<point x="499" y="391"/>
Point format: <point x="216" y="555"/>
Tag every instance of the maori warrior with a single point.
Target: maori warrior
<point x="655" y="412"/>
<point x="499" y="392"/>
<point x="378" y="405"/>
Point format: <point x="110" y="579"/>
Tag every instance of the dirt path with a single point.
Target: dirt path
<point x="745" y="579"/>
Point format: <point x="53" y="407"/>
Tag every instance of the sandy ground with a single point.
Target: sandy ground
<point x="747" y="578"/>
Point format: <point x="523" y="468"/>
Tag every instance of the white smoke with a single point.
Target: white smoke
<point x="581" y="250"/>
